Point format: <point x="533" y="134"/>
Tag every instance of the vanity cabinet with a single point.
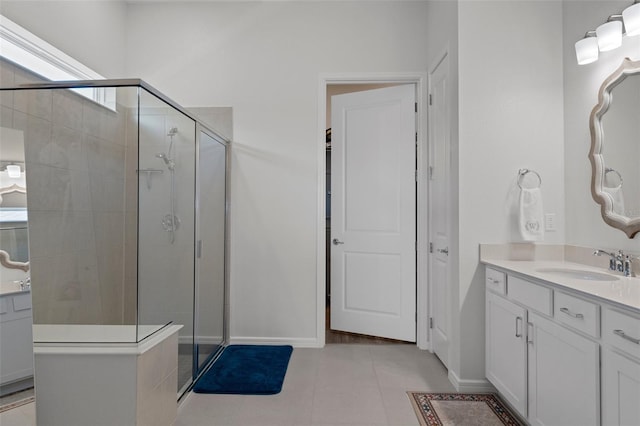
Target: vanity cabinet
<point x="564" y="375"/>
<point x="620" y="368"/>
<point x="547" y="372"/>
<point x="506" y="350"/>
<point x="16" y="342"/>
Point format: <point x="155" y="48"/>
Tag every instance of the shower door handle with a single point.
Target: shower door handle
<point x="337" y="242"/>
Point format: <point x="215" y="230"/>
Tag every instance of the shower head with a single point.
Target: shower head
<point x="172" y="131"/>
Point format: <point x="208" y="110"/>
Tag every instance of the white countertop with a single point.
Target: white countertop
<point x="622" y="291"/>
<point x="8" y="288"/>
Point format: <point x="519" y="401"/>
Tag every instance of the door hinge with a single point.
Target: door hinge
<point x="199" y="249"/>
<point x="416" y="246"/>
<point x="430" y="99"/>
<point x="416" y="175"/>
<point x="430" y="247"/>
<point x="430" y="322"/>
<point x="416" y="106"/>
<point x="430" y="172"/>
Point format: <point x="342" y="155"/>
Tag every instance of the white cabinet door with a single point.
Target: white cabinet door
<point x="506" y="350"/>
<point x="564" y="371"/>
<point x="620" y="390"/>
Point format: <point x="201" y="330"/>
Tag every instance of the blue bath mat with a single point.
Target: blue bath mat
<point x="246" y="370"/>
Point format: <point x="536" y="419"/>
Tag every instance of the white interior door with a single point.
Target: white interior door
<point x="373" y="207"/>
<point x="439" y="210"/>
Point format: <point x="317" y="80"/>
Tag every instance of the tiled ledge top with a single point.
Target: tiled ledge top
<point x="528" y="259"/>
<point x="97" y="339"/>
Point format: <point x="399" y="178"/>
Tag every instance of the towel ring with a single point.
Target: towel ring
<point x="610" y="170"/>
<point x="523" y="172"/>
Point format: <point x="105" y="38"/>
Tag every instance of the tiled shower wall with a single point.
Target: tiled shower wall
<point x="75" y="167"/>
<point x="83" y="195"/>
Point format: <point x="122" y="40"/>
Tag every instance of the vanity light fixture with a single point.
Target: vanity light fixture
<point x="587" y="48"/>
<point x="13" y="170"/>
<point x="609" y="34"/>
<point x="631" y="18"/>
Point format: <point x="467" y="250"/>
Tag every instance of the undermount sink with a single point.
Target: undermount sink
<point x="580" y="274"/>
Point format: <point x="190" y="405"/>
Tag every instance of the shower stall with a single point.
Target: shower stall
<point x="127" y="196"/>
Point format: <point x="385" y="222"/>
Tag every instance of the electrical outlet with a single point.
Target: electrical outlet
<point x="550" y="222"/>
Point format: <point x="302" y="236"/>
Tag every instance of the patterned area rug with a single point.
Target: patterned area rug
<point x="454" y="409"/>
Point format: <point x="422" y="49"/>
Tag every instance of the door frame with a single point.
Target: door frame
<point x="420" y="79"/>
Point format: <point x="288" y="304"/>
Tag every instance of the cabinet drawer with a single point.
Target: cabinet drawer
<point x="495" y="280"/>
<point x="577" y="313"/>
<point x="534" y="296"/>
<point x="621" y="331"/>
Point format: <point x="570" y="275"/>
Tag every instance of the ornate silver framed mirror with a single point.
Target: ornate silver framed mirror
<point x="615" y="148"/>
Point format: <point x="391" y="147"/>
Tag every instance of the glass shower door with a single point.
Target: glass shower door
<point x="210" y="249"/>
<point x="166" y="224"/>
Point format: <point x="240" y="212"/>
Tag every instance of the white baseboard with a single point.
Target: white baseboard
<point x="301" y="342"/>
<point x="470" y="386"/>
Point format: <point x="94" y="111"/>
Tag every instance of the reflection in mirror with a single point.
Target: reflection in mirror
<point x="615" y="149"/>
<point x="14" y="249"/>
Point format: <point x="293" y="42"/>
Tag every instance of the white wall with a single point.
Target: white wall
<point x="442" y="38"/>
<point x="265" y="59"/>
<point x="511" y="105"/>
<point x="93" y="32"/>
<point x="581" y="85"/>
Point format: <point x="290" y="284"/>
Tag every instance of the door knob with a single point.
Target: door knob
<point x="444" y="251"/>
<point x="337" y="241"/>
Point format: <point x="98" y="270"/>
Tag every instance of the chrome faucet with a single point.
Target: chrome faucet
<point x="25" y="284"/>
<point x="618" y="262"/>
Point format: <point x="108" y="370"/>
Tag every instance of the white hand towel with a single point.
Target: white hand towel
<point x="531" y="222"/>
<point x="617" y="198"/>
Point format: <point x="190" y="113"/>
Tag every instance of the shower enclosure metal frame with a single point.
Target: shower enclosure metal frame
<point x="200" y="128"/>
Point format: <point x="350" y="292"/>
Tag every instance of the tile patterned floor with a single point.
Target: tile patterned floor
<point x="338" y="385"/>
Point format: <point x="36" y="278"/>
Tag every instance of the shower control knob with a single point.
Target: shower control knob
<point x="337" y="242"/>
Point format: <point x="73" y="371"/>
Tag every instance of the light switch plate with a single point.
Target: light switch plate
<point x="550" y="222"/>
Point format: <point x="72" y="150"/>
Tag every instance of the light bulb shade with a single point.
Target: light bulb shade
<point x="609" y="35"/>
<point x="587" y="50"/>
<point x="631" y="18"/>
<point x="13" y="170"/>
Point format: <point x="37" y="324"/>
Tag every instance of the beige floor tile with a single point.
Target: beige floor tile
<point x="349" y="405"/>
<point x="21" y="416"/>
<point x="338" y="385"/>
<point x="205" y="410"/>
